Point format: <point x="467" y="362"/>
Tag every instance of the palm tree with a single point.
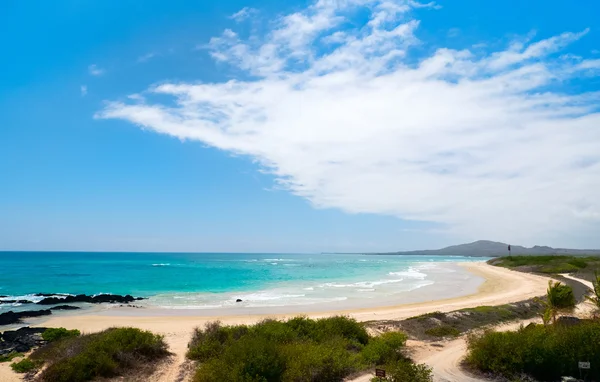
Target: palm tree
<point x="595" y="298"/>
<point x="559" y="297"/>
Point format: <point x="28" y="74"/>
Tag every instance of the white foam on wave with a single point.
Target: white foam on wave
<point x="161" y="265"/>
<point x="33" y="298"/>
<point x="268" y="296"/>
<point x="268" y="260"/>
<point x="410" y="273"/>
<point x="361" y="284"/>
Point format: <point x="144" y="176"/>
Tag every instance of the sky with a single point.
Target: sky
<point x="298" y="126"/>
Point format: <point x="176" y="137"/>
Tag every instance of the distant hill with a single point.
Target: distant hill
<point x="486" y="248"/>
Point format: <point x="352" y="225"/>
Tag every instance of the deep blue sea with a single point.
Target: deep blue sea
<point x="214" y="280"/>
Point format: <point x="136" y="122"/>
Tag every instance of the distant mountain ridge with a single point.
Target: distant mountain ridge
<point x="487" y="248"/>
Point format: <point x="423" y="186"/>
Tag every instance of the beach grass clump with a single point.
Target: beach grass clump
<point x="10" y="357"/>
<point x="545" y="353"/>
<point x="443" y="331"/>
<point x="55" y="334"/>
<point x="24" y="366"/>
<point x="300" y="349"/>
<point x="110" y="353"/>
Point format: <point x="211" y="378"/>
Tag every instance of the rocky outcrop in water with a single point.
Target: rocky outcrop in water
<point x="65" y="307"/>
<point x="21" y="341"/>
<point x="16" y="302"/>
<point x="98" y="299"/>
<point x="15" y="317"/>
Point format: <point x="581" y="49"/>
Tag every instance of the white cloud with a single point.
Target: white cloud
<point x="94" y="70"/>
<point x="146" y="57"/>
<point x="478" y="143"/>
<point x="243" y="14"/>
<point x="83" y="90"/>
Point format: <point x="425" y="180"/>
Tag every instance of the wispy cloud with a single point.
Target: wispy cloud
<point x="94" y="70"/>
<point x="146" y="57"/>
<point x="484" y="144"/>
<point x="453" y="32"/>
<point x="83" y="89"/>
<point x="243" y="14"/>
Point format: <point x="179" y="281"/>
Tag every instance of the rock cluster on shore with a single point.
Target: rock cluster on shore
<point x="52" y="299"/>
<point x="98" y="299"/>
<point x="21" y="341"/>
<point x="11" y="317"/>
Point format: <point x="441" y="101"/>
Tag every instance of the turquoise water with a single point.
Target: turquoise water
<point x="210" y="280"/>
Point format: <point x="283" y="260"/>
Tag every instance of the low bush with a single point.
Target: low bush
<point x="109" y="353"/>
<point x="443" y="331"/>
<point x="55" y="334"/>
<point x="297" y="350"/>
<point x="544" y="352"/>
<point x="10" y="357"/>
<point x="24" y="366"/>
<point x="404" y="371"/>
<point x="384" y="348"/>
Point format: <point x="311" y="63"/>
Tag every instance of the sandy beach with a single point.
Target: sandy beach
<point x="501" y="286"/>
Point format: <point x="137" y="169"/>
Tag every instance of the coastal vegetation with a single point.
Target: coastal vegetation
<point x="583" y="266"/>
<point x="10" y="357"/>
<point x="436" y="325"/>
<point x="71" y="357"/>
<point x="559" y="298"/>
<point x="300" y="349"/>
<point x="544" y="352"/>
<point x="24" y="366"/>
<point x="55" y="334"/>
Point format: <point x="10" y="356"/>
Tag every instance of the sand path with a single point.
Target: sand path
<point x="501" y="286"/>
<point x="445" y="361"/>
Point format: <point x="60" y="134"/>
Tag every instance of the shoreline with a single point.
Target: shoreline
<point x="501" y="286"/>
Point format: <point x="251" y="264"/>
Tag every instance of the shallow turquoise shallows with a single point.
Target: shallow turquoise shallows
<point x="209" y="279"/>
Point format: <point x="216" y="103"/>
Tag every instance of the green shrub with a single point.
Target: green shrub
<point x="404" y="371"/>
<point x="296" y="350"/>
<point x="10" y="357"/>
<point x="24" y="366"/>
<point x="544" y="352"/>
<point x="443" y="331"/>
<point x="559" y="268"/>
<point x="384" y="349"/>
<point x="105" y="354"/>
<point x="55" y="334"/>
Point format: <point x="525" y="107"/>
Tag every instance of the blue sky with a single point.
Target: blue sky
<point x="176" y="126"/>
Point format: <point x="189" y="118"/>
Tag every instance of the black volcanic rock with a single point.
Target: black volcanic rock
<point x="21" y="340"/>
<point x="15" y="317"/>
<point x="16" y="302"/>
<point x="65" y="307"/>
<point x="99" y="299"/>
<point x="238" y="300"/>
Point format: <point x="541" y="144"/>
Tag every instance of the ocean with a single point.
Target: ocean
<point x="215" y="281"/>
